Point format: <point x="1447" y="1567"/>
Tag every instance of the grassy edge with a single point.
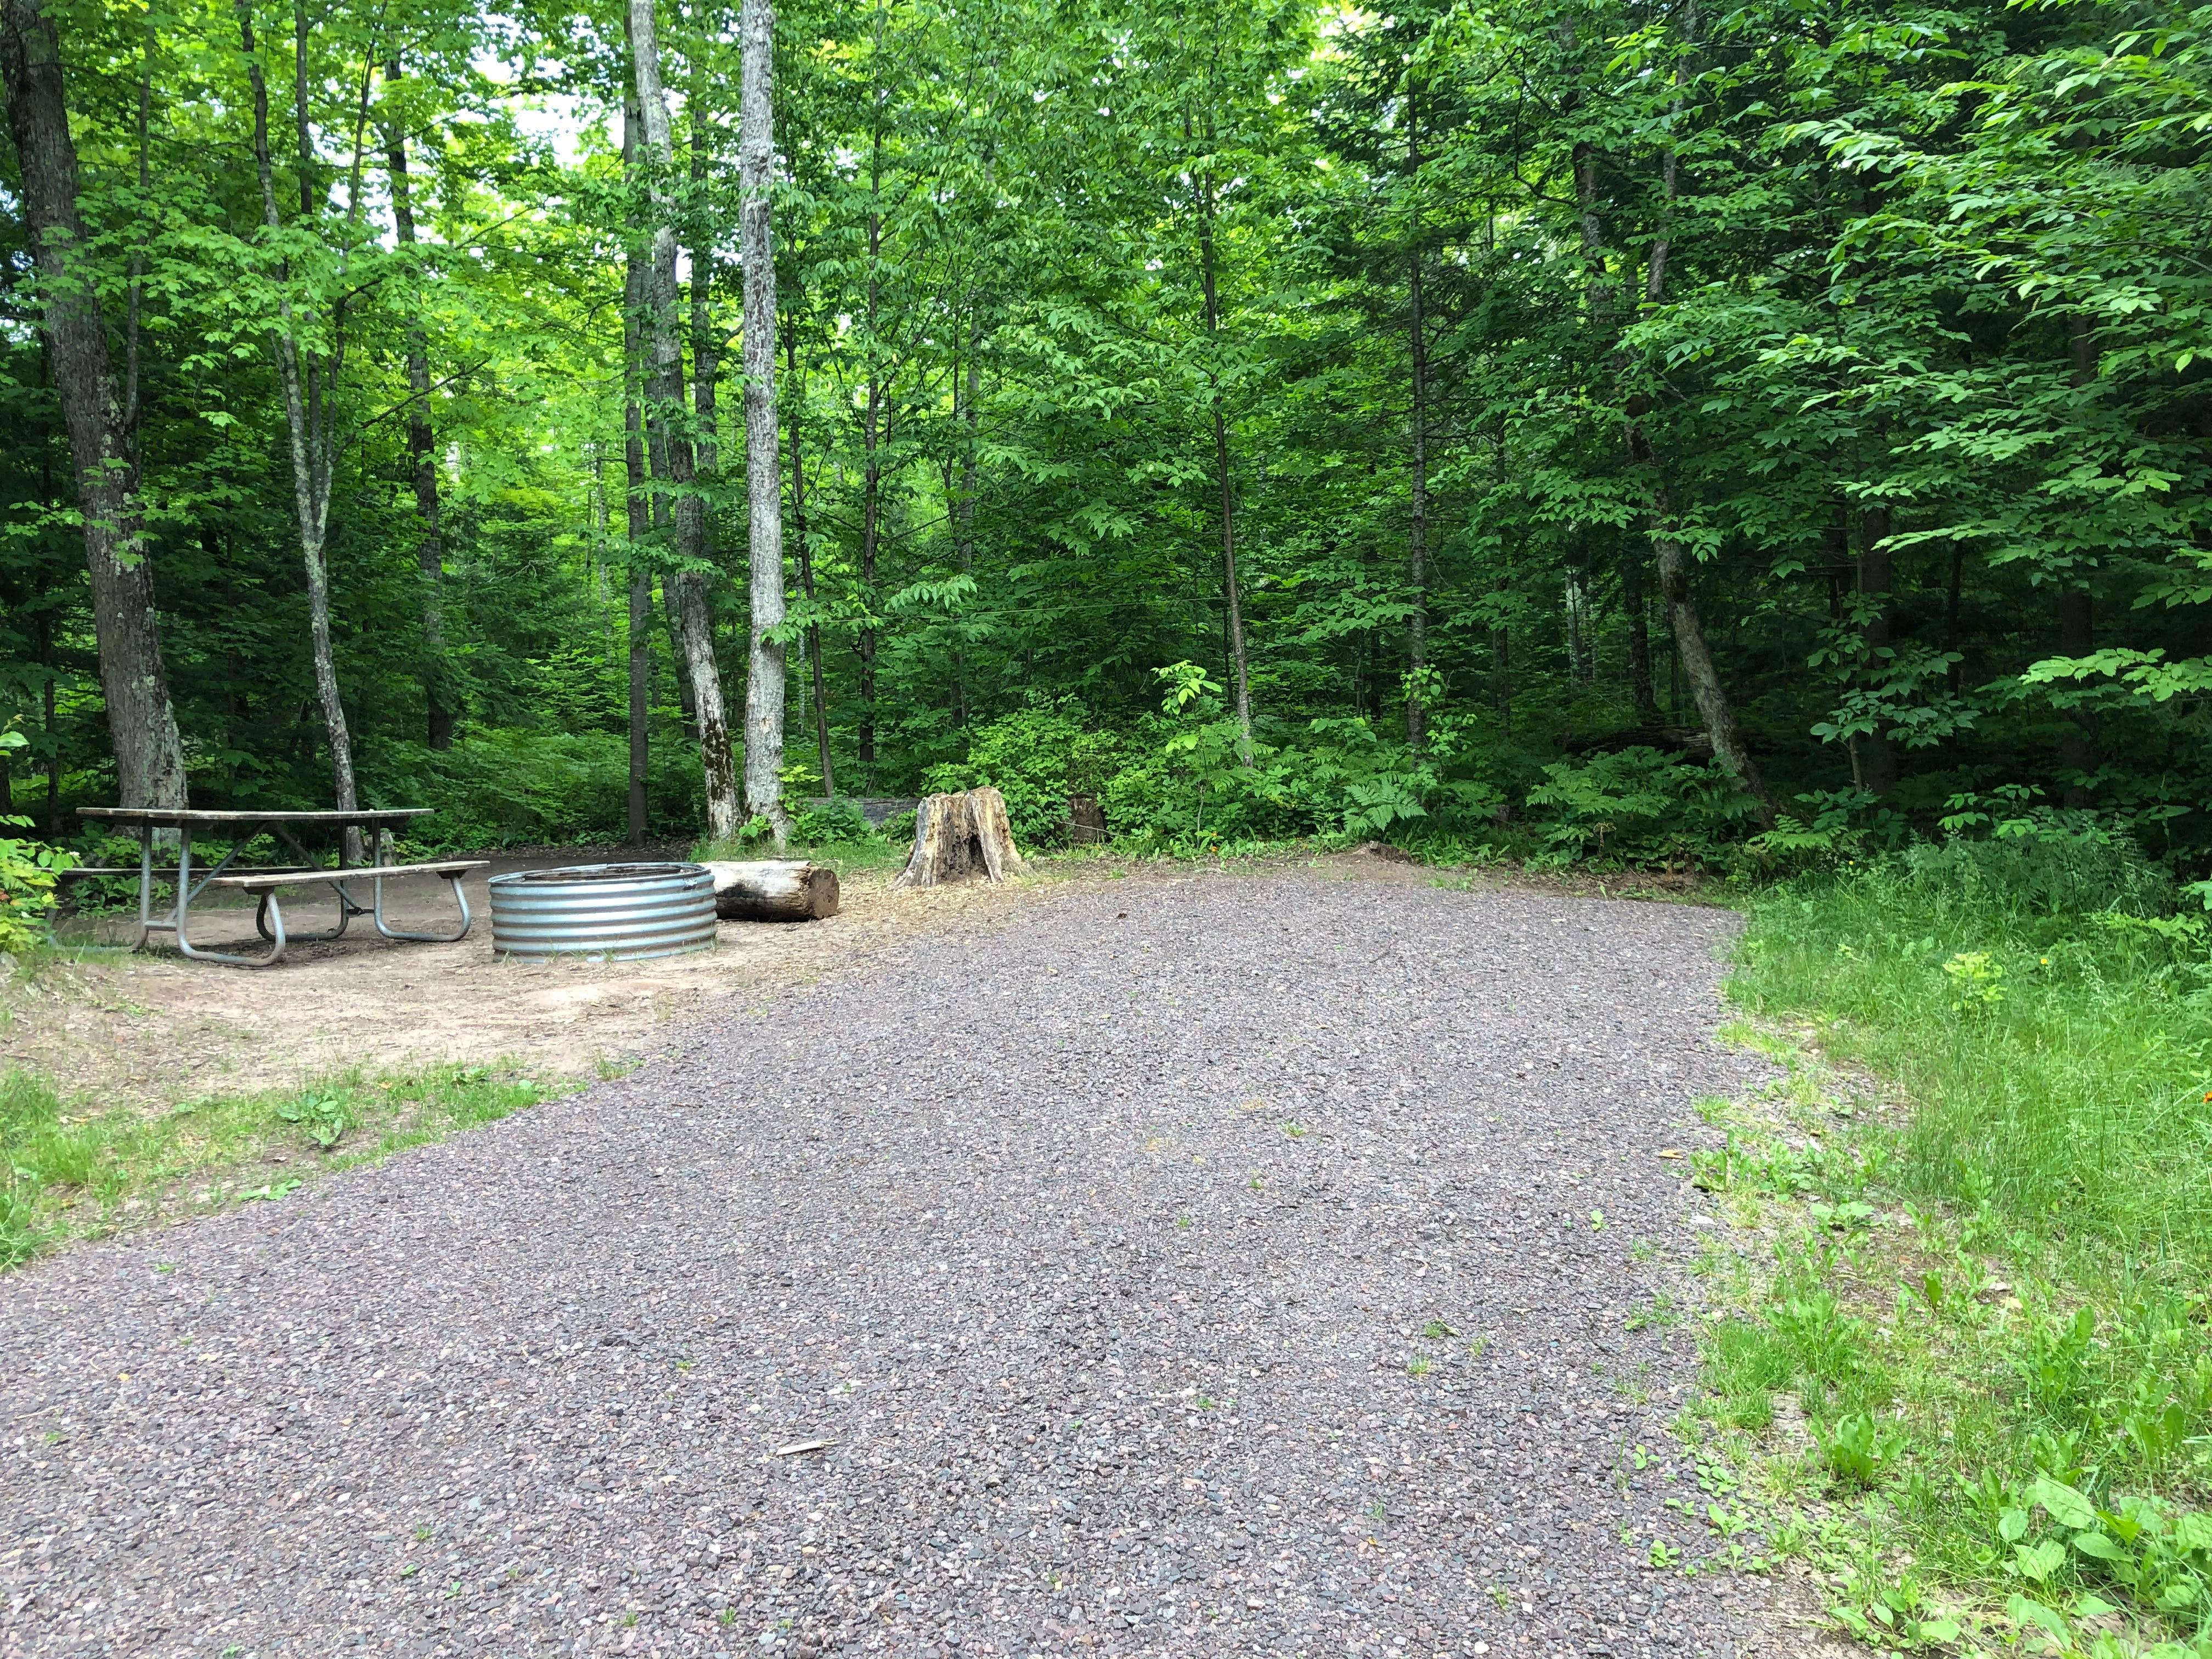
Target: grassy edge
<point x="1814" y="1249"/>
<point x="73" y="1172"/>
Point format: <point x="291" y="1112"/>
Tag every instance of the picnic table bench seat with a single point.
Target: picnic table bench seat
<point x="268" y="916"/>
<point x="268" y="881"/>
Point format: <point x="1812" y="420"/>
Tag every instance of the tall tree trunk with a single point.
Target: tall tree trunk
<point x="1417" y="536"/>
<point x="439" y="702"/>
<point x="1672" y="558"/>
<point x="149" y="757"/>
<point x="964" y="545"/>
<point x="638" y="518"/>
<point x="47" y="708"/>
<point x="2077" y="743"/>
<point x="764" y="526"/>
<point x="1714" y="709"/>
<point x="1640" y="695"/>
<point x="806" y="562"/>
<point x="1233" y="599"/>
<point x="310" y="466"/>
<point x="706" y="349"/>
<point x="685" y="589"/>
<point x="136" y="293"/>
<point x="1877" y="751"/>
<point x="1501" y="676"/>
<point x="1952" y="593"/>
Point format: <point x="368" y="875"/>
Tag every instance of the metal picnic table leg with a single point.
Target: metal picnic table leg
<point x="274" y="953"/>
<point x="460" y="898"/>
<point x="145" y="886"/>
<point x="347" y="908"/>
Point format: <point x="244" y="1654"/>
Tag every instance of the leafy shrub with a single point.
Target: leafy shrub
<point x="826" y="825"/>
<point x="28" y="873"/>
<point x="2052" y="864"/>
<point x="1640" y="806"/>
<point x="27" y="870"/>
<point x="1352" y="781"/>
<point x="1976" y="981"/>
<point x="1336" y="778"/>
<point x="1037" y="758"/>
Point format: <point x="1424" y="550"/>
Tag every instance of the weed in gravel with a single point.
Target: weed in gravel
<point x="1435" y="1330"/>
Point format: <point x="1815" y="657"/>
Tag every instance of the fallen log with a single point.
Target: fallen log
<point x="958" y="837"/>
<point x="773" y="890"/>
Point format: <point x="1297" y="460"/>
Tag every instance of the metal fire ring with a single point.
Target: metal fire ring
<point x="606" y="912"/>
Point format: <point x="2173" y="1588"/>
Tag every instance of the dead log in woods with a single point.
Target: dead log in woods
<point x="958" y="837"/>
<point x="774" y="890"/>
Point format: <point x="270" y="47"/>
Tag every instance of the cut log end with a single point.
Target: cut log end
<point x="964" y="836"/>
<point x="774" y="890"/>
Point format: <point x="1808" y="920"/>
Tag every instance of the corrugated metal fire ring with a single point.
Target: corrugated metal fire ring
<point x="608" y="912"/>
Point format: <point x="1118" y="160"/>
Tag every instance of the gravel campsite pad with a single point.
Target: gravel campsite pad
<point x="1221" y="1266"/>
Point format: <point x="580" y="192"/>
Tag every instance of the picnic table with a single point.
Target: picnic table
<point x="263" y="882"/>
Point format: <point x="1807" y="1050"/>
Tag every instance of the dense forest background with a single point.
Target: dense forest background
<point x="1599" y="427"/>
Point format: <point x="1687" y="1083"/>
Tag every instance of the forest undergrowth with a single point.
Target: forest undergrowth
<point x="1961" y="1327"/>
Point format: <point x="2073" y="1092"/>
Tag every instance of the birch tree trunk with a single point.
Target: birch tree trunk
<point x="638" y="518"/>
<point x="686" y="589"/>
<point x="437" y="699"/>
<point x="310" y="457"/>
<point x="149" y="758"/>
<point x="756" y="180"/>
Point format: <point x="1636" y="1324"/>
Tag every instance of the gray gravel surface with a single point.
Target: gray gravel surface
<point x="1198" y="1267"/>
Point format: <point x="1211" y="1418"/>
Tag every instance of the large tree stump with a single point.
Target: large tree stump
<point x="774" y="890"/>
<point x="959" y="838"/>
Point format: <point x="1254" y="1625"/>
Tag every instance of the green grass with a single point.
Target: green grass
<point x="70" y="1171"/>
<point x="1984" y="1279"/>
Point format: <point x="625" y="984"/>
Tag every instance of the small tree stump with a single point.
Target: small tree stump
<point x="1086" y="821"/>
<point x="774" y="890"/>
<point x="960" y="837"/>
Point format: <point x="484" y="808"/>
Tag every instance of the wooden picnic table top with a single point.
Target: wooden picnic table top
<point x="179" y="817"/>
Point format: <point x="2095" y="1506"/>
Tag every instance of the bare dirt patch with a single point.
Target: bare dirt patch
<point x="150" y="1028"/>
